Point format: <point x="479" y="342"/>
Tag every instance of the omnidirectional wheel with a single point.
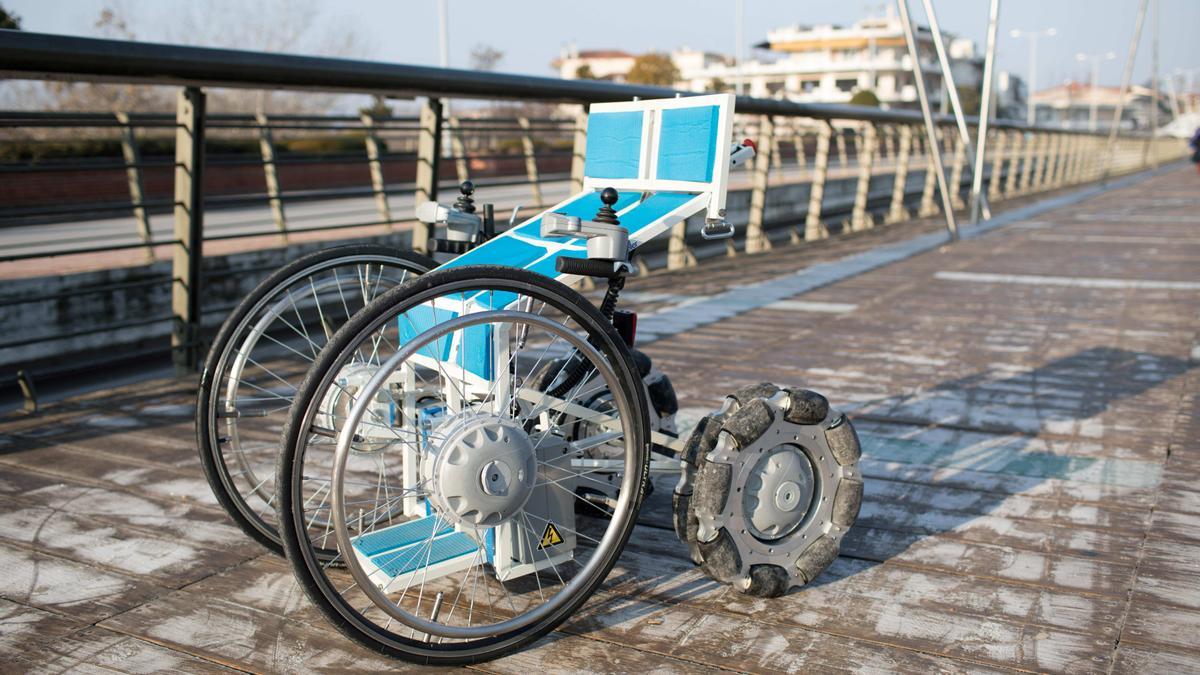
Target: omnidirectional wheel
<point x="429" y="474"/>
<point x="770" y="486"/>
<point x="261" y="354"/>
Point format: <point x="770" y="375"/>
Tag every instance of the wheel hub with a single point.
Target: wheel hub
<point x="779" y="492"/>
<point x="482" y="474"/>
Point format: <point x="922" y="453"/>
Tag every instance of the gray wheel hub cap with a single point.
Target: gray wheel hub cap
<point x="482" y="474"/>
<point x="779" y="492"/>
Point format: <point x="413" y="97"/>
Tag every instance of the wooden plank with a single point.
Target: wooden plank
<point x="167" y="561"/>
<point x="69" y="588"/>
<point x="965" y="618"/>
<point x="1155" y="624"/>
<point x="205" y="526"/>
<point x="104" y="470"/>
<point x="244" y="638"/>
<point x="1137" y="659"/>
<point x="25" y="629"/>
<point x="95" y="650"/>
<point x="1068" y="573"/>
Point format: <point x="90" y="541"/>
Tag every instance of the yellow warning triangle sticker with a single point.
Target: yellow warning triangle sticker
<point x="550" y="537"/>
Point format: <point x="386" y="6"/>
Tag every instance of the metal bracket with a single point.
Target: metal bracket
<point x="460" y="226"/>
<point x="604" y="240"/>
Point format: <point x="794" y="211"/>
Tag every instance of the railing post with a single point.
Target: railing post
<point x="375" y="164"/>
<point x="776" y="155"/>
<point x="1011" y="184"/>
<point x="429" y="151"/>
<point x="859" y="218"/>
<point x="531" y="168"/>
<point x="679" y="254"/>
<point x="843" y="158"/>
<point x="1042" y="163"/>
<point x="270" y="173"/>
<point x="1056" y="162"/>
<point x="956" y="172"/>
<point x="1077" y="147"/>
<point x="798" y="143"/>
<point x="897" y="212"/>
<point x="1029" y="166"/>
<point x="133" y="175"/>
<point x="928" y="207"/>
<point x="189" y="230"/>
<point x="459" y="147"/>
<point x="579" y="151"/>
<point x="756" y="238"/>
<point x="812" y="220"/>
<point x="997" y="165"/>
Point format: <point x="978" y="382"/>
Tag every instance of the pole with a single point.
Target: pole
<point x="960" y="118"/>
<point x="930" y="131"/>
<point x="978" y="200"/>
<point x="444" y="32"/>
<point x="739" y="40"/>
<point x="1093" y="112"/>
<point x="1029" y="111"/>
<point x="1154" y="87"/>
<point x="1126" y="76"/>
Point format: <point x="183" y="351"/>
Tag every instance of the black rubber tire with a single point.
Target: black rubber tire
<point x="303" y="558"/>
<point x="215" y="468"/>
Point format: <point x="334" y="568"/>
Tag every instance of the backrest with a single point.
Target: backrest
<point x="662" y="145"/>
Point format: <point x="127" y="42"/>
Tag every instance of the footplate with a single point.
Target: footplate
<point x="394" y="556"/>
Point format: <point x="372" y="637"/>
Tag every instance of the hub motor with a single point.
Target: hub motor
<point x="484" y="471"/>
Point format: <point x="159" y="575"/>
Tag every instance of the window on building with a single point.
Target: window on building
<point x="846" y="85"/>
<point x="808" y="86"/>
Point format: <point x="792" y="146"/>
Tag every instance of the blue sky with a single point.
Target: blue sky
<point x="531" y="33"/>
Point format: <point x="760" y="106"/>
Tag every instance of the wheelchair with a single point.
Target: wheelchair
<point x="466" y="453"/>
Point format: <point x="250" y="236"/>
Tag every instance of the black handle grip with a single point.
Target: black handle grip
<point x="586" y="267"/>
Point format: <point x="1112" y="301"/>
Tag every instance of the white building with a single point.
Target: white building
<point x="598" y="64"/>
<point x="824" y="64"/>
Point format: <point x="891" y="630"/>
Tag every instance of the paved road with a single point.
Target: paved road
<point x="301" y="215"/>
<point x="1029" y="404"/>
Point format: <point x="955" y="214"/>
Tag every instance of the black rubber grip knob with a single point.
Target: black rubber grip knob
<point x="585" y="267"/>
<point x="455" y="247"/>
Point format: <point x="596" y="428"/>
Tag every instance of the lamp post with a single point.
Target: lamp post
<point x="1096" y="60"/>
<point x="1033" y="36"/>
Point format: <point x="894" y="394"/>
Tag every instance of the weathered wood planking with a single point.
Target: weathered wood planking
<point x="1030" y="455"/>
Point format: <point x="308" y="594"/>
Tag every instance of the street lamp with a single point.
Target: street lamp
<point x="1033" y="36"/>
<point x="1096" y="60"/>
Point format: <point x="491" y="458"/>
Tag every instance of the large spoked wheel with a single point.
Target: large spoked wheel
<point x="259" y="358"/>
<point x="432" y="481"/>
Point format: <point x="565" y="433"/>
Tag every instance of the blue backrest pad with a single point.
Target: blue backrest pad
<point x="687" y="143"/>
<point x="614" y="145"/>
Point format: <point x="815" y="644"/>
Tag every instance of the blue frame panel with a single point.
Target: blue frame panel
<point x="687" y="143"/>
<point x="614" y="145"/>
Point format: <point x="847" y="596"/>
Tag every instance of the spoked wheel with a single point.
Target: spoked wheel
<point x="259" y="358"/>
<point x="430" y="475"/>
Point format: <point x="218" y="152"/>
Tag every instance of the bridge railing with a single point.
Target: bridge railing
<point x="821" y="169"/>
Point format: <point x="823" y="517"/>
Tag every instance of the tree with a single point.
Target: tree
<point x="865" y="97"/>
<point x="584" y="72"/>
<point x="379" y="109"/>
<point x="653" y="68"/>
<point x="9" y="20"/>
<point x="718" y="85"/>
<point x="485" y="57"/>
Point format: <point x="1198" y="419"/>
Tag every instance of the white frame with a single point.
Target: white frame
<point x="715" y="189"/>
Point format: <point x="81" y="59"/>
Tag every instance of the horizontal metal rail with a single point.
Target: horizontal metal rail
<point x="862" y="154"/>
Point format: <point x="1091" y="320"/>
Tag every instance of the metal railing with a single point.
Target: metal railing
<point x="804" y="150"/>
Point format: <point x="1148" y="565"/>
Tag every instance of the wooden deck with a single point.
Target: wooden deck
<point x="1029" y="403"/>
